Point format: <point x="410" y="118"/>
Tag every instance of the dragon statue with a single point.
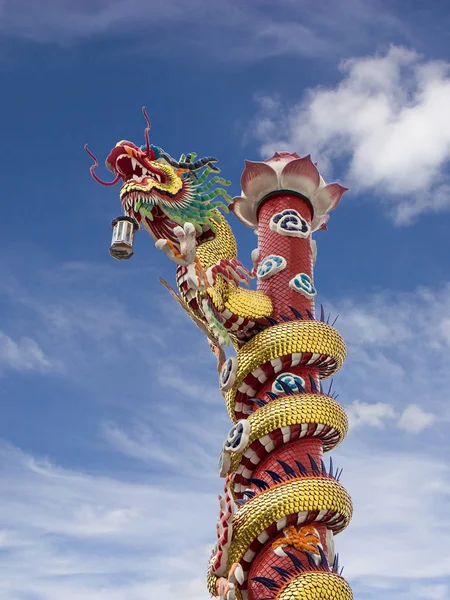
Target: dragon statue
<point x="281" y="506"/>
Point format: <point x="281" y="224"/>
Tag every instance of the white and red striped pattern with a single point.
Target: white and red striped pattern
<point x="224" y="531"/>
<point x="188" y="293"/>
<point x="243" y="405"/>
<point x="262" y="447"/>
<point x="234" y="323"/>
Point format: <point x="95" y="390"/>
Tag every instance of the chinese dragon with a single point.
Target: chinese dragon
<point x="282" y="506"/>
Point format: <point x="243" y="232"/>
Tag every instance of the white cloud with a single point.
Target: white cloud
<point x="102" y="537"/>
<point x="434" y="592"/>
<point x="374" y="415"/>
<point x="248" y="31"/>
<point x="23" y="355"/>
<point x="396" y="373"/>
<point x="81" y="535"/>
<point x="145" y="530"/>
<point x="387" y="117"/>
<point x="412" y="419"/>
<point x="399" y="498"/>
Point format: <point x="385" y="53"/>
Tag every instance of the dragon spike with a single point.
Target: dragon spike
<point x="287" y="469"/>
<point x="240" y="501"/>
<point x="191" y="166"/>
<point x="272" y="321"/>
<point x="215" y="180"/>
<point x="259" y="401"/>
<point x="314" y="466"/>
<point x="322" y="313"/>
<point x="201" y="178"/>
<point x="296" y="313"/>
<point x="329" y="317"/>
<point x="332" y="324"/>
<point x="303" y="471"/>
<point x="324" y="469"/>
<point x="331" y="468"/>
<point x="259" y="483"/>
<point x="340" y="572"/>
<point x="270" y="584"/>
<point x="286" y="388"/>
<point x="95" y="165"/>
<point x="337" y="562"/>
<point x="335" y="396"/>
<point x="313" y="383"/>
<point x="331" y="385"/>
<point x="301" y="389"/>
<point x="276" y="478"/>
<point x="339" y="475"/>
<point x="310" y="560"/>
<point x="272" y="396"/>
<point x="323" y="558"/>
<point x="190" y="157"/>
<point x="310" y="315"/>
<point x="250" y="494"/>
<point x="320" y="387"/>
<point x="285" y="318"/>
<point x="283" y="573"/>
<point x="298" y="565"/>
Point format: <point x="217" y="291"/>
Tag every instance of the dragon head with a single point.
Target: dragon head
<point x="160" y="192"/>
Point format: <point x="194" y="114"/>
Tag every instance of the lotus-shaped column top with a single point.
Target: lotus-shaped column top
<point x="288" y="172"/>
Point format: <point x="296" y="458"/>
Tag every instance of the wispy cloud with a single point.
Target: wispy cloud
<point x="396" y="336"/>
<point x="80" y="533"/>
<point x="415" y="419"/>
<point x="379" y="414"/>
<point x="386" y="117"/>
<point x="98" y="537"/>
<point x="23" y="355"/>
<point x="71" y="316"/>
<point x="395" y="507"/>
<point x="434" y="592"/>
<point x="249" y="31"/>
<point x="141" y="523"/>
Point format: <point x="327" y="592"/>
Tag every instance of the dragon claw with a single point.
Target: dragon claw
<point x="186" y="254"/>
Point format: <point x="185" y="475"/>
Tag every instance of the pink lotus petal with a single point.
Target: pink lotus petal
<point x="282" y="155"/>
<point x="245" y="211"/>
<point x="257" y="180"/>
<point x="320" y="222"/>
<point x="301" y="176"/>
<point x="328" y="198"/>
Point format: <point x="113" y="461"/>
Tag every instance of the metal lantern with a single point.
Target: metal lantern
<point x="122" y="238"/>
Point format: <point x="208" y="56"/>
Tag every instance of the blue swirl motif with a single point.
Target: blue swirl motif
<point x="289" y="222"/>
<point x="295" y="382"/>
<point x="238" y="436"/>
<point x="270" y="266"/>
<point x="237" y="440"/>
<point x="228" y="374"/>
<point x="302" y="283"/>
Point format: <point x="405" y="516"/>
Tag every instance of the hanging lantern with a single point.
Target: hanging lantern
<point x="122" y="238"/>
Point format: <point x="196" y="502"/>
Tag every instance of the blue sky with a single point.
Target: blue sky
<point x="111" y="417"/>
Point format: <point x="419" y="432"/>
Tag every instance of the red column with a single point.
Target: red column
<point x="295" y="250"/>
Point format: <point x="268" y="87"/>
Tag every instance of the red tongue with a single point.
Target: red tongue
<point x="125" y="166"/>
